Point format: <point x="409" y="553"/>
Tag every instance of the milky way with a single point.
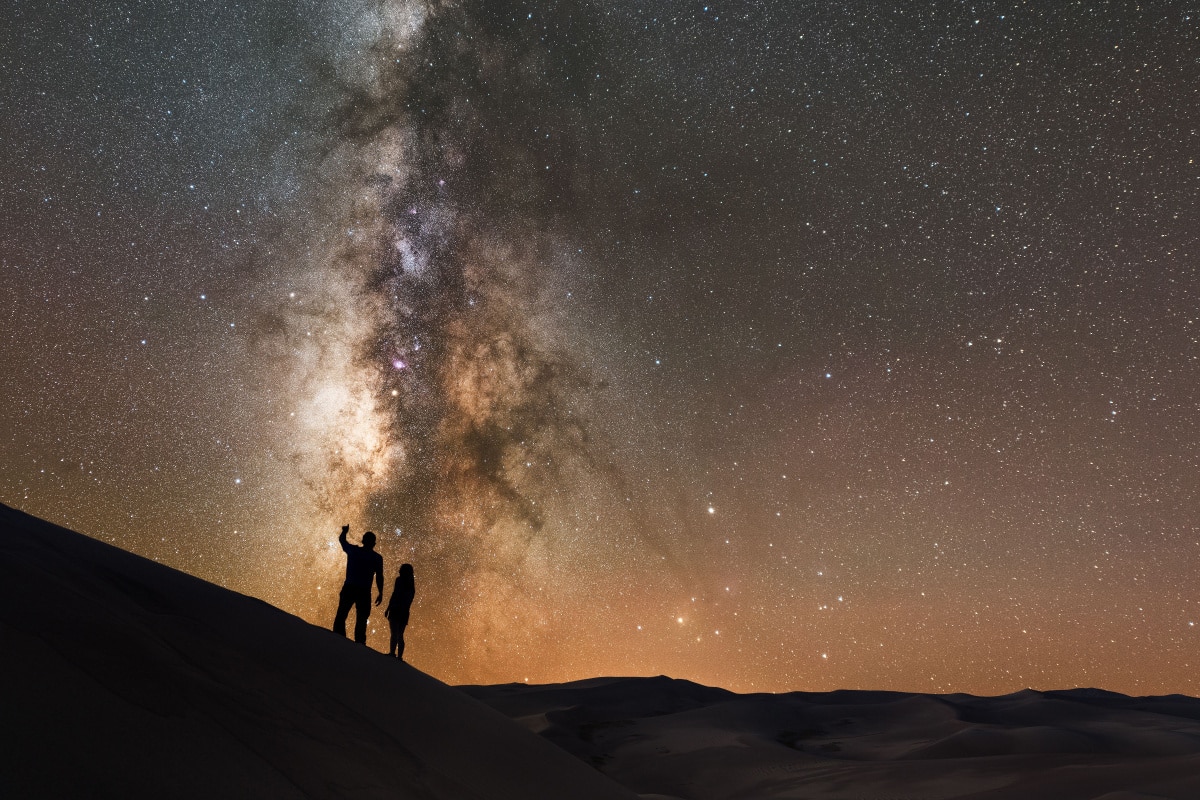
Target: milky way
<point x="774" y="345"/>
<point x="444" y="404"/>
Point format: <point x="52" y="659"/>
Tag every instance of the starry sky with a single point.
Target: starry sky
<point x="773" y="345"/>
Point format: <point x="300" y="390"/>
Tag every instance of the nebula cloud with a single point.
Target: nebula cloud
<point x="441" y="400"/>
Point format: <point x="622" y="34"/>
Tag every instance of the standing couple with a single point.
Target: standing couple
<point x="362" y="565"/>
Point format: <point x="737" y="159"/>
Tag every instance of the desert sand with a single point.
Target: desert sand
<point x="669" y="738"/>
<point x="124" y="678"/>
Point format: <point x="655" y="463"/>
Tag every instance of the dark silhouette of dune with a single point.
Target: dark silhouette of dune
<point x="126" y="679"/>
<point x="123" y="678"/>
<point x="675" y="739"/>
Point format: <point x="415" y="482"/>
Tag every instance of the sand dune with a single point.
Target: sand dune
<point x="125" y="679"/>
<point x="674" y="739"/>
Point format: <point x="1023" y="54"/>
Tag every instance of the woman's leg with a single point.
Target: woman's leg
<point x="399" y="623"/>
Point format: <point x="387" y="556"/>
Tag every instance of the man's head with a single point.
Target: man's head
<point x="369" y="540"/>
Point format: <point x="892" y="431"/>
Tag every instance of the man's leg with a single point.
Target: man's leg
<point x="362" y="612"/>
<point x="345" y="601"/>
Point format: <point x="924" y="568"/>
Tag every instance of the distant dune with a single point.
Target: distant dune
<point x="122" y="678"/>
<point x="674" y="739"/>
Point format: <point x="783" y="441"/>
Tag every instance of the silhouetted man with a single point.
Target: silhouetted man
<point x="362" y="564"/>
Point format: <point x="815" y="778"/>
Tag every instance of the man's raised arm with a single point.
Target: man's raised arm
<point x="342" y="538"/>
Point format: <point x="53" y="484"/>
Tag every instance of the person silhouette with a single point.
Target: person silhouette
<point x="398" y="607"/>
<point x="362" y="564"/>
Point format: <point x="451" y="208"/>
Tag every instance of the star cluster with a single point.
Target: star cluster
<point x="771" y="345"/>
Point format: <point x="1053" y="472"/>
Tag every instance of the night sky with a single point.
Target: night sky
<point x="773" y="345"/>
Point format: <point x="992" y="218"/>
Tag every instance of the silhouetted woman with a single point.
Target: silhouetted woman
<point x="397" y="611"/>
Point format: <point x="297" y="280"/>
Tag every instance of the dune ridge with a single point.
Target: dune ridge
<point x="123" y="678"/>
<point x="674" y="739"/>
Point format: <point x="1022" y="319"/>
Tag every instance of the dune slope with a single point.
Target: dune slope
<point x="674" y="739"/>
<point x="124" y="678"/>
